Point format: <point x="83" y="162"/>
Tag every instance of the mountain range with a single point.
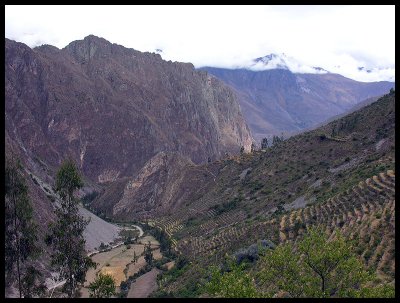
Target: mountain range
<point x="276" y="100"/>
<point x="167" y="146"/>
<point x="112" y="109"/>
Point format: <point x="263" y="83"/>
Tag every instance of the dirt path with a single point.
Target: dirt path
<point x="140" y="230"/>
<point x="144" y="285"/>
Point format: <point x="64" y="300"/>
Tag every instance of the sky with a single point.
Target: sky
<point x="340" y="39"/>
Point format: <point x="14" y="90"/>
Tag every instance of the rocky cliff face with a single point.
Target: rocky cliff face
<point x="112" y="109"/>
<point x="277" y="100"/>
<point x="161" y="186"/>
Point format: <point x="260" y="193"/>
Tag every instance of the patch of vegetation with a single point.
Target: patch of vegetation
<point x="227" y="206"/>
<point x="88" y="198"/>
<point x="165" y="242"/>
<point x="315" y="268"/>
<point x="252" y="252"/>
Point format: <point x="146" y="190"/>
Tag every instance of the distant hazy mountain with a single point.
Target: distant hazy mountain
<point x="276" y="100"/>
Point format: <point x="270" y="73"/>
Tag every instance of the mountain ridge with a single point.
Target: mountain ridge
<point x="91" y="81"/>
<point x="278" y="101"/>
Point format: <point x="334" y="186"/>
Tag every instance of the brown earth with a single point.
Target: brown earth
<point x="144" y="285"/>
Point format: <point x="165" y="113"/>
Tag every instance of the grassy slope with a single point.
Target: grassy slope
<point x="252" y="193"/>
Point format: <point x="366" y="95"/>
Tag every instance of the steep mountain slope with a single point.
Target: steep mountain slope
<point x="112" y="109"/>
<point x="277" y="100"/>
<point x="336" y="117"/>
<point x="340" y="175"/>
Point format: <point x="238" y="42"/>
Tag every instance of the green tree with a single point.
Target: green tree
<point x="276" y="139"/>
<point x="280" y="271"/>
<point x="102" y="287"/>
<point x="148" y="254"/>
<point x="235" y="283"/>
<point x="20" y="230"/>
<point x="325" y="268"/>
<point x="315" y="267"/>
<point x="333" y="264"/>
<point x="66" y="235"/>
<point x="264" y="143"/>
<point x="32" y="284"/>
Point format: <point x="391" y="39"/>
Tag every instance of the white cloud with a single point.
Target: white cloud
<point x="282" y="61"/>
<point x="224" y="36"/>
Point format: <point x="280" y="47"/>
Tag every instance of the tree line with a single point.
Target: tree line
<point x="65" y="236"/>
<point x="264" y="143"/>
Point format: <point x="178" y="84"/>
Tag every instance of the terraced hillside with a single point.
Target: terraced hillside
<point x="339" y="176"/>
<point x="366" y="214"/>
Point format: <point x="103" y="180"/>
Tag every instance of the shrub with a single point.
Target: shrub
<point x="253" y="251"/>
<point x="88" y="198"/>
<point x="367" y="255"/>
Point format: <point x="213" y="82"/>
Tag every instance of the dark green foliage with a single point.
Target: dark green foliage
<point x="102" y="287"/>
<point x="181" y="261"/>
<point x="256" y="185"/>
<point x="264" y="143"/>
<point x="252" y="253"/>
<point x="381" y="133"/>
<point x="124" y="286"/>
<point x="236" y="283"/>
<point x="191" y="290"/>
<point x="280" y="209"/>
<point x="276" y="140"/>
<point x="227" y="206"/>
<point x="102" y="246"/>
<point x="129" y="236"/>
<point x="322" y="268"/>
<point x="32" y="283"/>
<point x="68" y="180"/>
<point x="164" y="240"/>
<point x="315" y="267"/>
<point x="66" y="234"/>
<point x="173" y="274"/>
<point x="148" y="254"/>
<point x="162" y="294"/>
<point x="88" y="198"/>
<point x="20" y="230"/>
